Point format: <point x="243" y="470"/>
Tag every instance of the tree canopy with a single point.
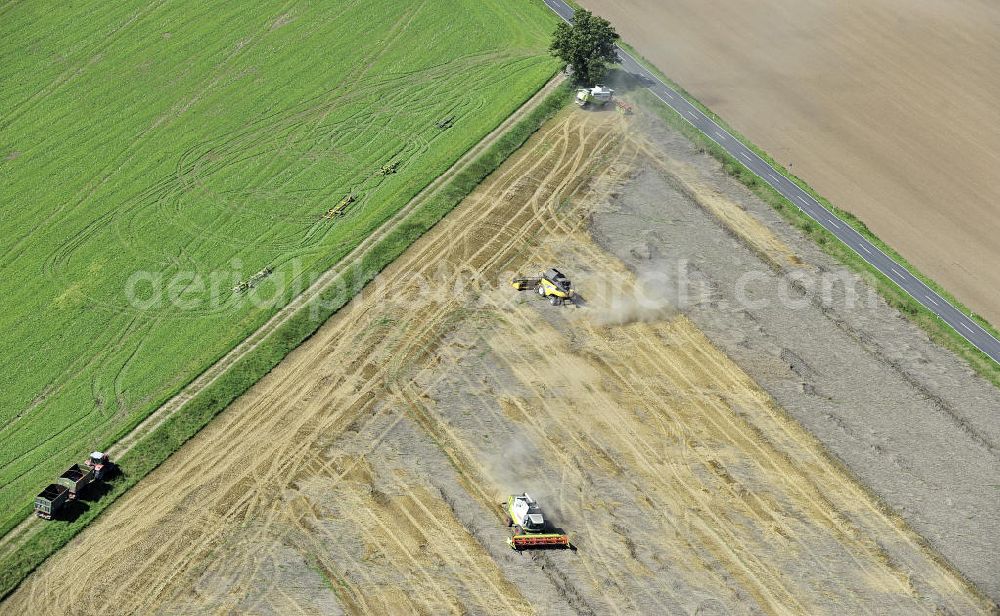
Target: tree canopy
<point x="587" y="45"/>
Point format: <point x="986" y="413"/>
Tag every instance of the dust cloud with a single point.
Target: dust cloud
<point x="653" y="297"/>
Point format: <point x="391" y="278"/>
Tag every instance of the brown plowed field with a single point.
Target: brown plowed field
<point x="363" y="474"/>
<point x="887" y="107"/>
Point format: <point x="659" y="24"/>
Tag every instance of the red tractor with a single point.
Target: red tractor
<point x="100" y="463"/>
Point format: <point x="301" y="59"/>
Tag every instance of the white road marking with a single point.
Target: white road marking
<point x="802" y="199"/>
<point x="897" y="272"/>
<point x="667" y="92"/>
<point x="966" y="326"/>
<point x="932" y="300"/>
<point x="774" y="178"/>
<point x="745" y="155"/>
<point x="865" y="248"/>
<point x="720" y="134"/>
<point x="691" y="113"/>
<point x="834" y="223"/>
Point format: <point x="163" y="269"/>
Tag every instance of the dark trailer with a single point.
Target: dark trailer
<point x="76" y="478"/>
<point x="50" y="500"/>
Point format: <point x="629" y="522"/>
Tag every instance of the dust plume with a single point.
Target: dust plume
<point x="651" y="297"/>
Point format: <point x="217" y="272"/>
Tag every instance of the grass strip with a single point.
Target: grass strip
<point x="938" y="331"/>
<point x="178" y="429"/>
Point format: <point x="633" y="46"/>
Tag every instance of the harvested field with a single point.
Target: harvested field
<point x="886" y="108"/>
<point x="363" y="474"/>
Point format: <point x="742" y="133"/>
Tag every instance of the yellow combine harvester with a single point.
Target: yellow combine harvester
<point x="531" y="529"/>
<point x="551" y="284"/>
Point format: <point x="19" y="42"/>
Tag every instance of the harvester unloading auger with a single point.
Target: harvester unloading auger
<point x="531" y="529"/>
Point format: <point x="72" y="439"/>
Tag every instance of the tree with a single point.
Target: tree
<point x="587" y="45"/>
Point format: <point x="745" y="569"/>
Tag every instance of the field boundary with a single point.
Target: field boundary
<point x="315" y="290"/>
<point x="152" y="441"/>
<point x="938" y="330"/>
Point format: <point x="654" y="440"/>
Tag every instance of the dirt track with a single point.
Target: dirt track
<point x="362" y="475"/>
<point x="887" y="108"/>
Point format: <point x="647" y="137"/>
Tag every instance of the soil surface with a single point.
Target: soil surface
<point x="363" y="475"/>
<point x="887" y="108"/>
<point x="910" y="420"/>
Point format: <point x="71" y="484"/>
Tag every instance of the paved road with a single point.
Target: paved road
<point x="965" y="326"/>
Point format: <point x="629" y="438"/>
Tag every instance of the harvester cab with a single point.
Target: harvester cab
<point x="598" y="96"/>
<point x="525" y="512"/>
<point x="531" y="529"/>
<point x="555" y="284"/>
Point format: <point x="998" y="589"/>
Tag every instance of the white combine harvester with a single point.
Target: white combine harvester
<point x="598" y="96"/>
<point x="531" y="529"/>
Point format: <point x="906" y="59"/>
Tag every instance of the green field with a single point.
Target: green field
<point x="152" y="146"/>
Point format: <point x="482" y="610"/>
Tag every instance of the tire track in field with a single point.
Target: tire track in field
<point x="220" y="153"/>
<point x="464" y="464"/>
<point x="709" y="465"/>
<point x="352" y="76"/>
<point x="73" y="245"/>
<point x="188" y="553"/>
<point x="118" y="163"/>
<point x="364" y="175"/>
<point x="24" y="530"/>
<point x="630" y="418"/>
<point x="114" y="167"/>
<point x="12" y="430"/>
<point x="418" y="346"/>
<point x="640" y="450"/>
<point x="825" y="504"/>
<point x="92" y="55"/>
